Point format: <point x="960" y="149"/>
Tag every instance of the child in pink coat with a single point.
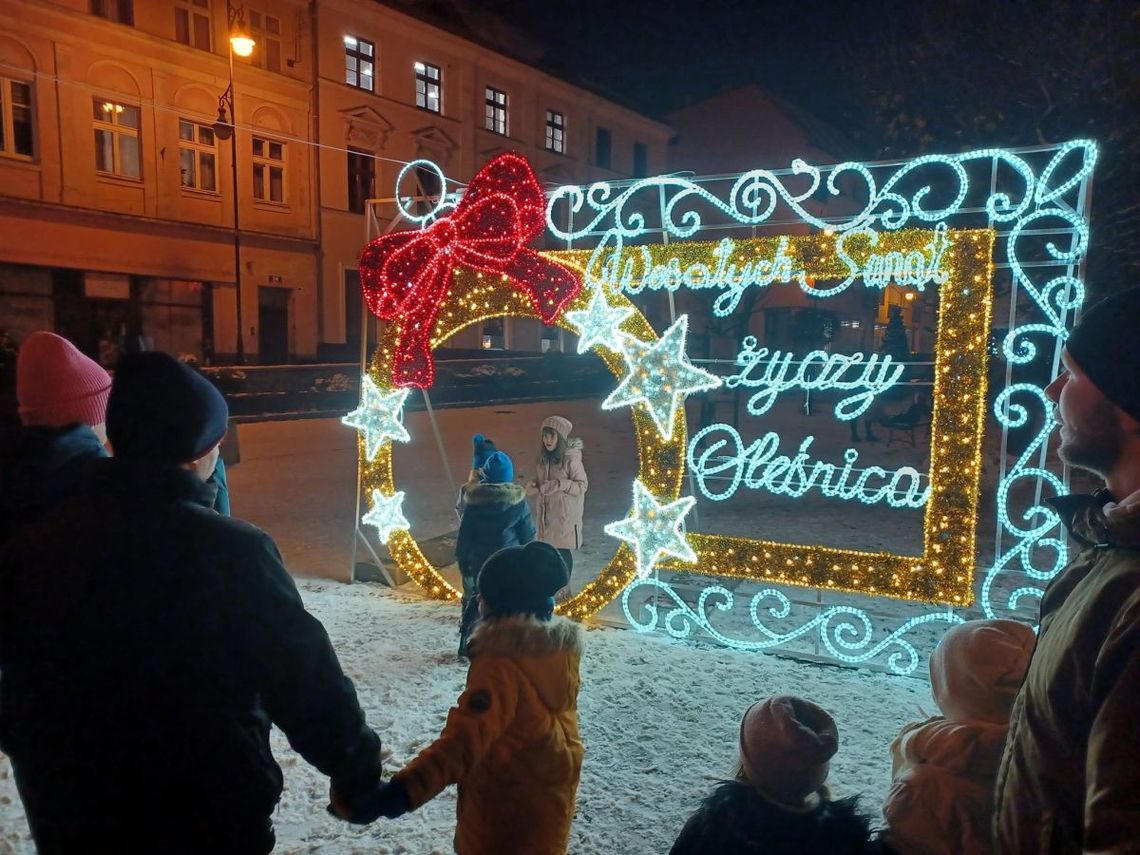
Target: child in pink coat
<point x="945" y="768"/>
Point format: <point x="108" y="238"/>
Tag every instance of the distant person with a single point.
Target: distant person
<point x="1070" y="777"/>
<point x="511" y="742"/>
<point x="147" y="645"/>
<point x="496" y="516"/>
<point x="62" y="404"/>
<point x="560" y="486"/>
<point x="777" y="802"/>
<point x="945" y="768"/>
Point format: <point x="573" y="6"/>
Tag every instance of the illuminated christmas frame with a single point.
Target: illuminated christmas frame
<point x="1041" y="229"/>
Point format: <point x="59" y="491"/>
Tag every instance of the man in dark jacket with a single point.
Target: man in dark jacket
<point x="147" y="644"/>
<point x="1070" y="778"/>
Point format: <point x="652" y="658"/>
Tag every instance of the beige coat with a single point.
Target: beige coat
<point x="561" y="499"/>
<point x="1070" y="777"/>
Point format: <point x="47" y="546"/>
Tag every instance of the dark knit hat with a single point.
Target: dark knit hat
<point x="523" y="580"/>
<point x="786" y="745"/>
<point x="1102" y="344"/>
<point x="498" y="468"/>
<point x="163" y="410"/>
<point x="484" y="448"/>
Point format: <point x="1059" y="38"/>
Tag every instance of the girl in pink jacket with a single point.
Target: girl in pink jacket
<point x="945" y="768"/>
<point x="560" y="488"/>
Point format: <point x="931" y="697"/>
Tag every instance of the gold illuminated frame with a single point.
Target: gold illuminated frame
<point x="943" y="573"/>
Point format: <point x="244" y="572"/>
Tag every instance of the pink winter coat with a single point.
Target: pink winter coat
<point x="561" y="499"/>
<point x="945" y="768"/>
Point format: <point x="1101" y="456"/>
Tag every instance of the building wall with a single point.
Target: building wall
<point x="387" y="123"/>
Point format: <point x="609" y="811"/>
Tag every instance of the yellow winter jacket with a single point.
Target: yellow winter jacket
<point x="511" y="741"/>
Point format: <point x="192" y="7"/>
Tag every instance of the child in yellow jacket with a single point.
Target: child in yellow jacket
<point x="511" y="741"/>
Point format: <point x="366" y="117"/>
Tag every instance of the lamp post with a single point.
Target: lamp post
<point x="241" y="44"/>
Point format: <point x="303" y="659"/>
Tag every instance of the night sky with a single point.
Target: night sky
<point x="662" y="55"/>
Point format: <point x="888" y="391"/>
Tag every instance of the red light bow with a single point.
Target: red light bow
<point x="408" y="275"/>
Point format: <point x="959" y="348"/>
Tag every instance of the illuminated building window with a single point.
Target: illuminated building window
<point x="496" y="108"/>
<point x="361" y="179"/>
<point x="197" y="157"/>
<point x="16" y="136"/>
<point x="359" y="63"/>
<point x="192" y="23"/>
<point x="116" y="139"/>
<point x="555" y="132"/>
<point x="603" y="145"/>
<point x="428" y="91"/>
<point x="268" y="170"/>
<point x="266" y="31"/>
<point x="119" y="11"/>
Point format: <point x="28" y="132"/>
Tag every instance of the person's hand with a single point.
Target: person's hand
<point x="393" y="800"/>
<point x="532" y="488"/>
<point x="359" y="807"/>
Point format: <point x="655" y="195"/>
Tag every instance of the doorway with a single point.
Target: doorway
<point x="273" y="324"/>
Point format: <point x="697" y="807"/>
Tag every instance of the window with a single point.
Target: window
<point x="359" y="55"/>
<point x="555" y="132"/>
<point x="268" y="170"/>
<point x="496" y="102"/>
<point x="602" y="146"/>
<point x="640" y="160"/>
<point x="192" y="23"/>
<point x="266" y="31"/>
<point x="116" y="139"/>
<point x="196" y="156"/>
<point x="428" y="87"/>
<point x="119" y="11"/>
<point x="361" y="179"/>
<point x="16" y="118"/>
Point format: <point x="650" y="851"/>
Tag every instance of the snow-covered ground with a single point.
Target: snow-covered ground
<point x="659" y="720"/>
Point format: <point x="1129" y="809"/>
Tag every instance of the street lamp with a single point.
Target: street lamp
<point x="224" y="128"/>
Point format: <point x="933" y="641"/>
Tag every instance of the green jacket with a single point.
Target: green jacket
<point x="1070" y="776"/>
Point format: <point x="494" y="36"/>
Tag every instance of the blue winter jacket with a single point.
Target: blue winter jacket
<point x="495" y="516"/>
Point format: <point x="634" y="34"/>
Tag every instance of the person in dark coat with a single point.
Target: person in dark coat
<point x="495" y="516"/>
<point x="62" y="404"/>
<point x="777" y="803"/>
<point x="147" y="644"/>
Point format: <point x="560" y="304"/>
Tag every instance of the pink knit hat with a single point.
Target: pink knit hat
<point x="56" y="385"/>
<point x="978" y="667"/>
<point x="559" y="425"/>
<point x="786" y="745"/>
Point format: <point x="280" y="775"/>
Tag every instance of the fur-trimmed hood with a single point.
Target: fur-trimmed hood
<point x="535" y="646"/>
<point x="479" y="493"/>
<point x="575" y="444"/>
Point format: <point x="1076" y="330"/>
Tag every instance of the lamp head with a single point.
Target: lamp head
<point x="241" y="42"/>
<point x="223" y="130"/>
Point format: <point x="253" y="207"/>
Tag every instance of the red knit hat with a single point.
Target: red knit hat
<point x="56" y="385"/>
<point x="786" y="745"/>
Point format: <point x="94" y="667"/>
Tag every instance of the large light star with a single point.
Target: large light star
<point x="387" y="514"/>
<point x="654" y="529"/>
<point x="598" y="323"/>
<point x="661" y="376"/>
<point x="378" y="416"/>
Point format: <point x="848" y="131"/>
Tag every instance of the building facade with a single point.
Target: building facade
<point x="117" y="174"/>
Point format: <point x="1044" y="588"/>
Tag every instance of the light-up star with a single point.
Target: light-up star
<point x="378" y="416"/>
<point x="598" y="323"/>
<point x="660" y="375"/>
<point x="387" y="514"/>
<point x="654" y="529"/>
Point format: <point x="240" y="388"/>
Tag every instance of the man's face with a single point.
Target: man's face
<point x="1091" y="434"/>
<point x="205" y="466"/>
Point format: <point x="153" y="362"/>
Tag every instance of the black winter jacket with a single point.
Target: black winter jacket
<point x="495" y="516"/>
<point x="146" y="644"/>
<point x="736" y="820"/>
<point x="40" y="466"/>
